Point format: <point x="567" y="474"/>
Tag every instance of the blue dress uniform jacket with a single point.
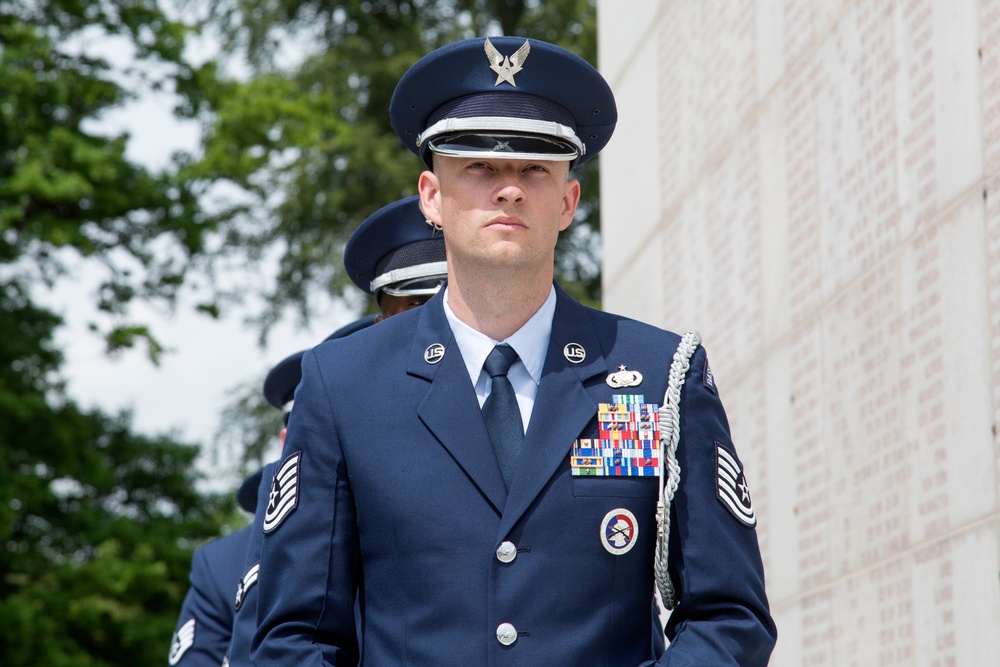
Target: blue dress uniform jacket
<point x="245" y="618"/>
<point x="398" y="492"/>
<point x="205" y="623"/>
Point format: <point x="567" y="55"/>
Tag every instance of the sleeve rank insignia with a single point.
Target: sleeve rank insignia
<point x="284" y="496"/>
<point x="733" y="491"/>
<point x="183" y="640"/>
<point x="248" y="581"/>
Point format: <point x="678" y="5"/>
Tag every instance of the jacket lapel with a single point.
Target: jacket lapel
<point x="450" y="409"/>
<point x="563" y="406"/>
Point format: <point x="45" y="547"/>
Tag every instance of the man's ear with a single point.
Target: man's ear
<point x="570" y="200"/>
<point x="430" y="196"/>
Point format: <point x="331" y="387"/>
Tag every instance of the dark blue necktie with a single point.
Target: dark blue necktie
<point x="500" y="411"/>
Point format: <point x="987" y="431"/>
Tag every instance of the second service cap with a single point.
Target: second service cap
<point x="396" y="251"/>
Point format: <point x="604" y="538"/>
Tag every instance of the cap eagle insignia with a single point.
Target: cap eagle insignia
<point x="506" y="66"/>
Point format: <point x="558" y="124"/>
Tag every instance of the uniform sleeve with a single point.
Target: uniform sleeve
<point x="722" y="616"/>
<point x="204" y="625"/>
<point x="245" y="618"/>
<point x="308" y="563"/>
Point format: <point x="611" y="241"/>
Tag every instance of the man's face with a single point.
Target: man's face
<point x="394" y="305"/>
<point x="499" y="212"/>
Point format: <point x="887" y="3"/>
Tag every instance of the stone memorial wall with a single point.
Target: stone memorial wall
<point x="815" y="186"/>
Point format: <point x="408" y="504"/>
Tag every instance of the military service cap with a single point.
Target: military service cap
<point x="246" y="495"/>
<point x="396" y="251"/>
<point x="504" y="97"/>
<point x="281" y="381"/>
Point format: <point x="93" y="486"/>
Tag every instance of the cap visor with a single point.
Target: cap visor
<point x="503" y="145"/>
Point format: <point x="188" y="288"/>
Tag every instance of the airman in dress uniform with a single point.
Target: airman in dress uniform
<point x="279" y="390"/>
<point x="398" y="258"/>
<point x="474" y="491"/>
<point x="205" y="623"/>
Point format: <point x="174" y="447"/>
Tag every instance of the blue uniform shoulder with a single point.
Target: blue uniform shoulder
<point x="369" y="345"/>
<point x="628" y="331"/>
<point x="222" y="561"/>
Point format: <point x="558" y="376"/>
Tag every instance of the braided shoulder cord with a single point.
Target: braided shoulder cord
<point x="670" y="470"/>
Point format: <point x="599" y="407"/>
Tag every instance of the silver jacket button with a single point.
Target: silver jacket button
<point x="506" y="552"/>
<point x="506" y="634"/>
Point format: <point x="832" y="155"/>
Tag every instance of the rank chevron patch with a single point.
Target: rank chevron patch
<point x="284" y="496"/>
<point x="183" y="639"/>
<point x="733" y="491"/>
<point x="249" y="579"/>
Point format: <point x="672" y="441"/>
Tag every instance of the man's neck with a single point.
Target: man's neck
<point x="497" y="307"/>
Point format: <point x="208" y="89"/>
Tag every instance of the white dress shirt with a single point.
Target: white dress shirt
<point x="530" y="342"/>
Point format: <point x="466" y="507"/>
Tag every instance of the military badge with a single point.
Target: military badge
<point x="574" y="353"/>
<point x="248" y="581"/>
<point x="506" y="66"/>
<point x="619" y="531"/>
<point x="284" y="496"/>
<point x="733" y="491"/>
<point x="624" y="378"/>
<point x="183" y="639"/>
<point x="434" y="353"/>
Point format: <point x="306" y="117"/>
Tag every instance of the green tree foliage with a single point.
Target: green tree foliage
<point x="66" y="189"/>
<point x="97" y="523"/>
<point x="310" y="143"/>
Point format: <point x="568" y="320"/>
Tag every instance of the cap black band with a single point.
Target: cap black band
<point x="506" y="104"/>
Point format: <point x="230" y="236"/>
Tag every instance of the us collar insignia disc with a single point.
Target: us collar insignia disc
<point x="624" y="378"/>
<point x="434" y="353"/>
<point x="619" y="531"/>
<point x="506" y="66"/>
<point x="284" y="496"/>
<point x="574" y="353"/>
<point x="183" y="639"/>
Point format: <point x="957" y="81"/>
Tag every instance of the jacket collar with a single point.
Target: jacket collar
<point x="563" y="406"/>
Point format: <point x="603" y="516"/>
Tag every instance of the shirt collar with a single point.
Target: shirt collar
<point x="530" y="342"/>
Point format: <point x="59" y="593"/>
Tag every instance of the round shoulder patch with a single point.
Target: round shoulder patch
<point x="619" y="531"/>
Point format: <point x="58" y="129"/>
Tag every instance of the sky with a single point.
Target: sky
<point x="206" y="358"/>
